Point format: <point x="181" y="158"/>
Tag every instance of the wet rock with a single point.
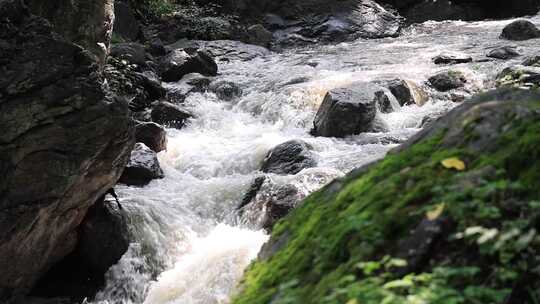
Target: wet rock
<point x="446" y="81"/>
<point x="386" y="101"/>
<point x="272" y="202"/>
<point x="157" y="48"/>
<point x="170" y="115"/>
<point x="341" y="21"/>
<point x="452" y="58"/>
<point x="143" y="167"/>
<point x="520" y="30"/>
<point x="532" y="61"/>
<point x="103" y="236"/>
<point x="505" y="52"/>
<point x="289" y="158"/>
<point x="519" y="76"/>
<point x="252" y="191"/>
<point x="224" y="50"/>
<point x="132" y="52"/>
<point x="259" y="35"/>
<point x="64" y="142"/>
<point x="152" y="135"/>
<point x="225" y="90"/>
<point x="126" y="25"/>
<point x="179" y="63"/>
<point x="407" y="92"/>
<point x="103" y="240"/>
<point x="347" y="111"/>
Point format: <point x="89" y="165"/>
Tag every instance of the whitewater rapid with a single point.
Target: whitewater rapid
<point x="190" y="247"/>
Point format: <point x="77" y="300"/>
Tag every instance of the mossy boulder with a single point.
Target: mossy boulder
<point x="451" y="216"/>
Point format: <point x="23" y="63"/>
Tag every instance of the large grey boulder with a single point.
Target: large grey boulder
<point x="64" y="143"/>
<point x="520" y="30"/>
<point x="347" y="111"/>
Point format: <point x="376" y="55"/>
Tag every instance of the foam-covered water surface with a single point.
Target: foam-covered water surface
<point x="189" y="247"/>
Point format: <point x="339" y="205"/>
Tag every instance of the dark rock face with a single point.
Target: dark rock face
<point x="126" y="25"/>
<point x="226" y="90"/>
<point x="152" y="135"/>
<point x="62" y="134"/>
<point x="104" y="237"/>
<point x="179" y="63"/>
<point x="505" y="52"/>
<point x="289" y="158"/>
<point x="86" y="23"/>
<point x="347" y="111"/>
<point x="447" y="81"/>
<point x="132" y="52"/>
<point x="407" y="92"/>
<point x="520" y="30"/>
<point x="103" y="240"/>
<point x="168" y="114"/>
<point x="143" y="167"/>
<point x="452" y="58"/>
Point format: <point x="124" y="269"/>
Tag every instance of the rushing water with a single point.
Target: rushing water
<point x="189" y="246"/>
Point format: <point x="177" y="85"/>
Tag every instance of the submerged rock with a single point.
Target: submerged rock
<point x="152" y="135"/>
<point x="505" y="52"/>
<point x="452" y="58"/>
<point x="225" y="90"/>
<point x="347" y="111"/>
<point x="170" y="115"/>
<point x="179" y="63"/>
<point x="143" y="167"/>
<point x="449" y="80"/>
<point x="520" y="30"/>
<point x="289" y="158"/>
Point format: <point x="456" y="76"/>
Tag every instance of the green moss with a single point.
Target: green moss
<point x="346" y="245"/>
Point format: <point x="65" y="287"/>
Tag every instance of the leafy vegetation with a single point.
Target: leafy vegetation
<point x="453" y="218"/>
<point x="150" y="9"/>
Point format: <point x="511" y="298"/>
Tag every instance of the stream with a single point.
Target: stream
<point x="191" y="247"/>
